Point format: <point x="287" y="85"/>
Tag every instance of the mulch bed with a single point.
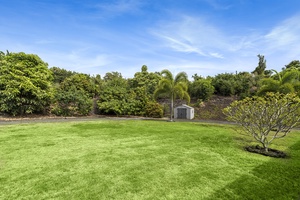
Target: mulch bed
<point x="271" y="152"/>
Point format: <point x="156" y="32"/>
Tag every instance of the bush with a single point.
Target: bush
<point x="153" y="109"/>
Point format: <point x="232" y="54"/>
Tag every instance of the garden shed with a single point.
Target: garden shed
<point x="184" y="112"/>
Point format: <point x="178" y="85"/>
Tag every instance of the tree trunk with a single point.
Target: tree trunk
<point x="265" y="147"/>
<point x="171" y="109"/>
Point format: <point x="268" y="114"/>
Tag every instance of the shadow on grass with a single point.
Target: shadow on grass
<point x="276" y="179"/>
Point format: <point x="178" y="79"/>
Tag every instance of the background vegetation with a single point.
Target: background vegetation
<point x="29" y="86"/>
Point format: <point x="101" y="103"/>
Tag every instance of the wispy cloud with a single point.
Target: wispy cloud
<point x="285" y="36"/>
<point x="191" y="35"/>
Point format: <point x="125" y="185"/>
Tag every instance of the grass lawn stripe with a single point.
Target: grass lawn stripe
<point x="141" y="160"/>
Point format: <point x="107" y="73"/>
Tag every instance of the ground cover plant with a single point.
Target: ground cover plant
<point x="135" y="159"/>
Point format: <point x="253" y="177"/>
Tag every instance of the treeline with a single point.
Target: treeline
<point x="28" y="86"/>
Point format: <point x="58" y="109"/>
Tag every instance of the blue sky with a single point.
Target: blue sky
<point x="206" y="37"/>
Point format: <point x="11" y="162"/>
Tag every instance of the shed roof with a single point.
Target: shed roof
<point x="186" y="106"/>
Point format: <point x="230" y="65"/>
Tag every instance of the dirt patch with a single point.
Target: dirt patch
<point x="271" y="152"/>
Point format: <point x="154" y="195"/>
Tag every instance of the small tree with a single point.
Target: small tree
<point x="266" y="118"/>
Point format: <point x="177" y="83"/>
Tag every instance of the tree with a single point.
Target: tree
<point x="260" y="69"/>
<point x="59" y="75"/>
<point x="172" y="87"/>
<point x="287" y="81"/>
<point x="266" y="118"/>
<point x="293" y="64"/>
<point x="25" y="84"/>
<point x="71" y="102"/>
<point x="148" y="80"/>
<point x="201" y="89"/>
<point x="117" y="98"/>
<point x="80" y="82"/>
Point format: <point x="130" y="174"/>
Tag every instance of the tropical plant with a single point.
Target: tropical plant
<point x="266" y="118"/>
<point x="284" y="82"/>
<point x="172" y="87"/>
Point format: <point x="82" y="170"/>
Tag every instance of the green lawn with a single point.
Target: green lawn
<point x="135" y="159"/>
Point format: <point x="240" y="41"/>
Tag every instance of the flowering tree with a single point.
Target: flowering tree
<point x="266" y="118"/>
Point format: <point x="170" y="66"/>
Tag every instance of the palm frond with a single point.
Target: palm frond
<point x="181" y="77"/>
<point x="183" y="85"/>
<point x="187" y="97"/>
<point x="291" y="76"/>
<point x="167" y="75"/>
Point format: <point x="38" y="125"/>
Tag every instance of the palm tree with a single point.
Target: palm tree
<point x="172" y="87"/>
<point x="287" y="81"/>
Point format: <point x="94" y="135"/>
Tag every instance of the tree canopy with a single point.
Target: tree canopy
<point x="25" y="84"/>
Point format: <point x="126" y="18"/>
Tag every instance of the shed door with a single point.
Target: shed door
<point x="181" y="113"/>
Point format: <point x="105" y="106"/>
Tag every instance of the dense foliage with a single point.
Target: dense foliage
<point x="25" y="84"/>
<point x="71" y="102"/>
<point x="28" y="86"/>
<point x="201" y="89"/>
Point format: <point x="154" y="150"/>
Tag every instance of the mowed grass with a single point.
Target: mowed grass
<point x="135" y="159"/>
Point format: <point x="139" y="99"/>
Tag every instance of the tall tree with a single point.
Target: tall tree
<point x="172" y="87"/>
<point x="260" y="69"/>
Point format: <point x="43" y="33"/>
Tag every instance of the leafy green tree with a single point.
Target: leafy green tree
<point x="172" y="87"/>
<point x="148" y="80"/>
<point x="59" y="74"/>
<point x="244" y="84"/>
<point x="224" y="84"/>
<point x="126" y="97"/>
<point x="74" y="95"/>
<point x="116" y="98"/>
<point x="201" y="89"/>
<point x="266" y="118"/>
<point x="80" y="82"/>
<point x="71" y="102"/>
<point x="144" y="84"/>
<point x="96" y="83"/>
<point x="228" y="84"/>
<point x="25" y="84"/>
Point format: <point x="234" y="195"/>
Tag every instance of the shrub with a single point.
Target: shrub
<point x="153" y="109"/>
